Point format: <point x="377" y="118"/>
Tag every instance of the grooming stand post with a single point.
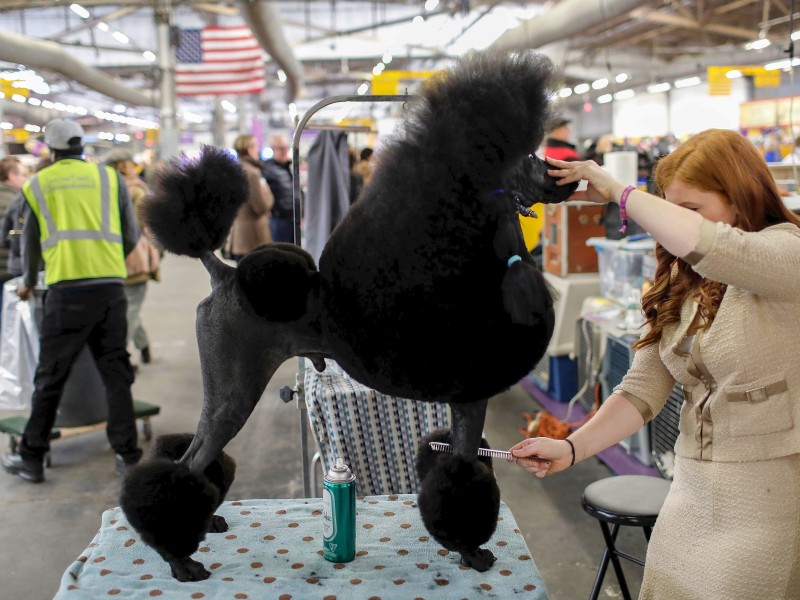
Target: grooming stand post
<point x="288" y="393"/>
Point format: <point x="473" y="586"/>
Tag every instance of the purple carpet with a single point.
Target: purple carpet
<point x="615" y="457"/>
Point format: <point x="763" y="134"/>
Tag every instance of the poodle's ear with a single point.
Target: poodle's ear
<point x="277" y="281"/>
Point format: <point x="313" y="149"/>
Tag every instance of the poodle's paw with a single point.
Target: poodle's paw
<point x="218" y="525"/>
<point x="479" y="559"/>
<point x="187" y="569"/>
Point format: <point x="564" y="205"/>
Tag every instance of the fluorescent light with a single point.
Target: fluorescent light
<point x="149" y="56"/>
<point x="431" y="4"/>
<point x="624" y="94"/>
<point x="47" y="104"/>
<point x="605" y="98"/>
<point x="733" y="74"/>
<point x="599" y="84"/>
<point x="120" y="37"/>
<point x="119" y="108"/>
<point x="18" y="98"/>
<point x="795" y="36"/>
<point x="387" y="58"/>
<point x="34" y="101"/>
<point x="581" y="88"/>
<point x="622" y="78"/>
<point x="228" y="105"/>
<point x="32" y="128"/>
<point x="565" y="92"/>
<point x="191" y="117"/>
<point x="281" y="76"/>
<point x="103" y="26"/>
<point x="363" y="88"/>
<point x="659" y="87"/>
<point x="417" y="20"/>
<point x="6" y="125"/>
<point x="782" y="64"/>
<point x="122" y="137"/>
<point x="757" y="44"/>
<point x="79" y="10"/>
<point x="378" y="69"/>
<point x="81" y="111"/>
<point x="689" y="81"/>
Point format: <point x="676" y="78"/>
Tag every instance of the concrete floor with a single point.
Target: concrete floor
<point x="43" y="528"/>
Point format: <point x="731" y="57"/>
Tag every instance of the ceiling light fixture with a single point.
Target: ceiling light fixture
<point x="624" y="94"/>
<point x="581" y="88"/>
<point x="687" y="82"/>
<point x="599" y="84"/>
<point x="565" y="92"/>
<point x="757" y="44"/>
<point x="79" y="10"/>
<point x="604" y="98"/>
<point x="657" y="88"/>
<point x="622" y="78"/>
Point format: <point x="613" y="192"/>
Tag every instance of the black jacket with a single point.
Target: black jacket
<point x="279" y="179"/>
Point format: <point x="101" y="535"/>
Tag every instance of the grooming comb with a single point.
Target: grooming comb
<point x="442" y="447"/>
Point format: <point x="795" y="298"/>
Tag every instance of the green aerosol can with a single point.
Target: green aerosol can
<point x="339" y="514"/>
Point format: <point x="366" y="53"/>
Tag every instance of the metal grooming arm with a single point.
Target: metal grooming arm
<point x="287" y="393"/>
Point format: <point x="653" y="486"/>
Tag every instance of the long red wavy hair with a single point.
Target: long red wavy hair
<point x="725" y="163"/>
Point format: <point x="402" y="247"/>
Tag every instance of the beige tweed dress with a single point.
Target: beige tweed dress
<point x="730" y="527"/>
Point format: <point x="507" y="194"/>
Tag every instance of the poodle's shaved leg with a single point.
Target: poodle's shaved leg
<point x="466" y="434"/>
<point x="467" y="428"/>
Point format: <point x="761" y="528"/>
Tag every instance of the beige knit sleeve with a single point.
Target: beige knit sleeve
<point x="763" y="262"/>
<point x="648" y="383"/>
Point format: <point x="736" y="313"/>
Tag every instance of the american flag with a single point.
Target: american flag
<point x="217" y="61"/>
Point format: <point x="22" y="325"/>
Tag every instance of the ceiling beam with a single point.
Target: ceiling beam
<point x="682" y="22"/>
<point x="730" y="7"/>
<point x="89" y="23"/>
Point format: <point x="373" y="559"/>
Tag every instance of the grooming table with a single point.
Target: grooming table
<point x="273" y="549"/>
<point x="15" y="426"/>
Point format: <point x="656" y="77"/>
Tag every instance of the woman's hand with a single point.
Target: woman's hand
<point x="542" y="456"/>
<point x="602" y="187"/>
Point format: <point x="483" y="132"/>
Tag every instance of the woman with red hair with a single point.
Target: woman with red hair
<point x="723" y="320"/>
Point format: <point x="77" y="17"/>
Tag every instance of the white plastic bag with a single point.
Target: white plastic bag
<point x="19" y="348"/>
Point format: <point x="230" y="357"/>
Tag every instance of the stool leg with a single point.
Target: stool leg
<point x="610" y="538"/>
<point x="601" y="570"/>
<point x="647" y="531"/>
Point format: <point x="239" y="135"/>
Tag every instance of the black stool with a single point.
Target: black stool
<point x="632" y="500"/>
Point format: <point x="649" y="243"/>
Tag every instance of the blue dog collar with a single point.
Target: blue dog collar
<point x="513" y="259"/>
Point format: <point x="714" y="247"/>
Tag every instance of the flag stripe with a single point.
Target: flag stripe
<point x="219" y="60"/>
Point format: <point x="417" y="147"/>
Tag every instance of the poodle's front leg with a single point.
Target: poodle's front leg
<point x="187" y="569"/>
<point x="459" y="499"/>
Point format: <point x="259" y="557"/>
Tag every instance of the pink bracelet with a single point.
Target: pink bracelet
<point x="623" y="201"/>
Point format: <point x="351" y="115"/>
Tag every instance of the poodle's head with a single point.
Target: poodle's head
<point x="529" y="179"/>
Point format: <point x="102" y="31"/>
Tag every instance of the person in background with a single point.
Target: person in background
<point x="793" y="158"/>
<point x="278" y="174"/>
<point x="13" y="224"/>
<point x="722" y="319"/>
<point x="356" y="178"/>
<point x="557" y="144"/>
<point x="143" y="263"/>
<point x="13" y="175"/>
<point x="79" y="219"/>
<point x="251" y="227"/>
<point x="598" y="149"/>
<point x="364" y="167"/>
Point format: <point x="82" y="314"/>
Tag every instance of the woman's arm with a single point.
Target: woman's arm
<point x="616" y="420"/>
<point x="674" y="227"/>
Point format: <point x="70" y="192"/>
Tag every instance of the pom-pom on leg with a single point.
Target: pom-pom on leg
<point x="458" y="500"/>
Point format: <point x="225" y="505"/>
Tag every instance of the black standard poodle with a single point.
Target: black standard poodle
<point x="172" y="508"/>
<point x="425" y="290"/>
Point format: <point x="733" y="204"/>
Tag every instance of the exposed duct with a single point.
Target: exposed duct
<point x="264" y="20"/>
<point x="49" y="55"/>
<point x="566" y="19"/>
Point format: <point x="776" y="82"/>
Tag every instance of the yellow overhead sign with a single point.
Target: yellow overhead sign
<point x="8" y="88"/>
<point x="389" y="82"/>
<point x="719" y="84"/>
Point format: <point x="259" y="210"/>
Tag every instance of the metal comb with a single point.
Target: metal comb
<point x="442" y="447"/>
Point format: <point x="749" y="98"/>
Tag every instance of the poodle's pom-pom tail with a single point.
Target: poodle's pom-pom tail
<point x="277" y="280"/>
<point x="194" y="202"/>
<point x="170" y="506"/>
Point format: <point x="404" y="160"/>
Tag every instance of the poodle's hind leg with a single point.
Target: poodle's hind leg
<point x="459" y="500"/>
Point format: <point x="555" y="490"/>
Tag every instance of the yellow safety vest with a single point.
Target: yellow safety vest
<point x="77" y="206"/>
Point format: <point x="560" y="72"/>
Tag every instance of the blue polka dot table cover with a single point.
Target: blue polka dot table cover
<point x="273" y="549"/>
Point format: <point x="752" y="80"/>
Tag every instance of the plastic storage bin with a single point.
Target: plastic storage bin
<point x="620" y="265"/>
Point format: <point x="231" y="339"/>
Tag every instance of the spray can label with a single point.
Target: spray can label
<point x="339" y="514"/>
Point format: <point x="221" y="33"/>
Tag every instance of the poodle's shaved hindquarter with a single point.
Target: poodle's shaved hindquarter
<point x="425" y="290"/>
